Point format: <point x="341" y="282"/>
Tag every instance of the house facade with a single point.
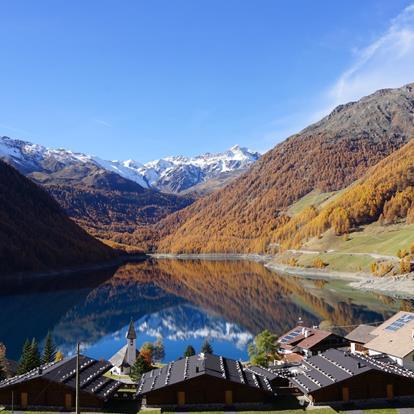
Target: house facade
<point x="394" y="338"/>
<point x="304" y="341"/>
<point x="53" y="386"/>
<point x="336" y="376"/>
<point x="206" y="380"/>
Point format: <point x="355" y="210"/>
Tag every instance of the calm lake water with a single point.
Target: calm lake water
<point x="182" y="301"/>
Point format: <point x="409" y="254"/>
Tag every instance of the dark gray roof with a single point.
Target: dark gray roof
<point x="131" y="334"/>
<point x="334" y="366"/>
<point x="91" y="376"/>
<point x="204" y="364"/>
<point x="361" y="334"/>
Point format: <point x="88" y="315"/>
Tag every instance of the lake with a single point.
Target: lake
<point x="182" y="301"/>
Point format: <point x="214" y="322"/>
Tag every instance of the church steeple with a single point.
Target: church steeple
<point x="131" y="334"/>
<point x="131" y="352"/>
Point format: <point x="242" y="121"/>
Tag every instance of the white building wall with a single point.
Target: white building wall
<point x="131" y="352"/>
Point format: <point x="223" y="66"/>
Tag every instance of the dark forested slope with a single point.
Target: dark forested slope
<point x="35" y="233"/>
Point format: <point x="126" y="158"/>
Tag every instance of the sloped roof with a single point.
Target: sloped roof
<point x="394" y="336"/>
<point x="92" y="380"/>
<point x="334" y="366"/>
<point x="361" y="334"/>
<point x="303" y="337"/>
<point x="204" y="364"/>
<point x="131" y="334"/>
<point x="119" y="359"/>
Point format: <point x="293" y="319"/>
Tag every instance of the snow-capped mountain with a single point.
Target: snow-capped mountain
<point x="170" y="174"/>
<point x="185" y="322"/>
<point x="179" y="173"/>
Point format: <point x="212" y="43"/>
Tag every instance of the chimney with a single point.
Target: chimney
<point x="306" y="333"/>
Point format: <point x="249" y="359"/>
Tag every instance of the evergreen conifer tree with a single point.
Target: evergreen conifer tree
<point x="207" y="348"/>
<point x="3" y="372"/>
<point x="49" y="352"/>
<point x="190" y="351"/>
<point x="34" y="355"/>
<point x="140" y="366"/>
<point x="24" y="358"/>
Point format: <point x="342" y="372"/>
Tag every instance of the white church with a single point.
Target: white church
<point x="127" y="355"/>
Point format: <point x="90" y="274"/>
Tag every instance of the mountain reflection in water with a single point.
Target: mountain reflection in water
<point x="182" y="301"/>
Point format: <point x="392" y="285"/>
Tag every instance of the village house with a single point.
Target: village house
<point x="394" y="338"/>
<point x="340" y="376"/>
<point x="359" y="337"/>
<point x="207" y="380"/>
<point x="123" y="360"/>
<point x="302" y="342"/>
<point x="53" y="386"/>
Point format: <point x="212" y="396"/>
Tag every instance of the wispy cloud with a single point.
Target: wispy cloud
<point x="102" y="122"/>
<point x="385" y="63"/>
<point x="15" y="130"/>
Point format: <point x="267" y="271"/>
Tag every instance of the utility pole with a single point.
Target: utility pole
<point x="12" y="408"/>
<point x="77" y="378"/>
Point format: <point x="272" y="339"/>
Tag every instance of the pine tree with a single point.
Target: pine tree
<point x="140" y="366"/>
<point x="49" y="352"/>
<point x="206" y="348"/>
<point x="190" y="351"/>
<point x="34" y="355"/>
<point x="3" y="372"/>
<point x="23" y="366"/>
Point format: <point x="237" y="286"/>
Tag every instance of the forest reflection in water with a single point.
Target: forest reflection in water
<point x="182" y="301"/>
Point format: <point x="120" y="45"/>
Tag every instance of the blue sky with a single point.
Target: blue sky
<point x="146" y="79"/>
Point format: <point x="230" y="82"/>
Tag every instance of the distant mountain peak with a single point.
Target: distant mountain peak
<point x="171" y="174"/>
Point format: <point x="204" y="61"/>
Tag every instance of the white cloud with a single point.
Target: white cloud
<point x="103" y="123"/>
<point x="387" y="62"/>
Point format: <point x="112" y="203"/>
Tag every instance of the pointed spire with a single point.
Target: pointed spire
<point x="131" y="334"/>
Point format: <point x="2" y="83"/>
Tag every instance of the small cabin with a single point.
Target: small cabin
<point x="206" y="380"/>
<point x="53" y="385"/>
<point x="336" y="376"/>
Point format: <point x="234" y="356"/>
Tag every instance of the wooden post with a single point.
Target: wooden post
<point x="77" y="379"/>
<point x="12" y="408"/>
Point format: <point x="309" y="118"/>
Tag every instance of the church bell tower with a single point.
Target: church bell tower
<point x="131" y="337"/>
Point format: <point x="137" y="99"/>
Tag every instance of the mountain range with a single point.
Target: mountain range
<point x="350" y="169"/>
<point x="327" y="156"/>
<point x="173" y="174"/>
<point x="111" y="199"/>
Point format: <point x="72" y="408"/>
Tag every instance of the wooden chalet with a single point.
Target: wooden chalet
<point x="207" y="380"/>
<point x="340" y="376"/>
<point x="53" y="386"/>
<point x="304" y="341"/>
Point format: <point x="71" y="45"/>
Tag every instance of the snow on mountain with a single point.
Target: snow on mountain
<point x="172" y="174"/>
<point x="185" y="322"/>
<point x="179" y="173"/>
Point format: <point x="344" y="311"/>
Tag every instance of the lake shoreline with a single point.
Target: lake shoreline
<point x="401" y="286"/>
<point x="74" y="269"/>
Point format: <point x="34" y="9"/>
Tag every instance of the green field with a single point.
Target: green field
<point x="315" y="198"/>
